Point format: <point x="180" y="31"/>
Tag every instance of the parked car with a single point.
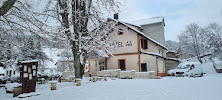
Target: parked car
<point x="189" y="69"/>
<point x="171" y="72"/>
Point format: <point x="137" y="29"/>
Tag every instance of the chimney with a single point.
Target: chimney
<point x="116" y="16"/>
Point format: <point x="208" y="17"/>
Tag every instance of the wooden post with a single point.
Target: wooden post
<point x="78" y="82"/>
<point x="94" y="79"/>
<point x="105" y="77"/>
<point x="53" y="86"/>
<point x="17" y="91"/>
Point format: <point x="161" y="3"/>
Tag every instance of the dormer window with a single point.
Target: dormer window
<point x="120" y="32"/>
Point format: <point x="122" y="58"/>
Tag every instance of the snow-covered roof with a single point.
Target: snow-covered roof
<point x="148" y="21"/>
<point x="171" y="52"/>
<point x="151" y="53"/>
<point x="218" y="65"/>
<point x="174" y="59"/>
<point x="141" y="33"/>
<point x="134" y="25"/>
<point x="29" y="61"/>
<point x="2" y="70"/>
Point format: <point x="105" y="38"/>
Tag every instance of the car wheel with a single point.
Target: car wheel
<point x="191" y="75"/>
<point x="173" y="74"/>
<point x="201" y="75"/>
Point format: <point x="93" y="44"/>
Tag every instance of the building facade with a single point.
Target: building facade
<point x="136" y="50"/>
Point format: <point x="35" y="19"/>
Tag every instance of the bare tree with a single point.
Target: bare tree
<point x="214" y="32"/>
<point x="17" y="21"/>
<point x="81" y="22"/>
<point x="172" y="45"/>
<point x="84" y="26"/>
<point x="192" y="40"/>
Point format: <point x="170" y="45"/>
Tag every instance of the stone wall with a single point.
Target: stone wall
<point x="141" y="75"/>
<point x="132" y="74"/>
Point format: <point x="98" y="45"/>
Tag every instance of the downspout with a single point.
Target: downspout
<point x="156" y="66"/>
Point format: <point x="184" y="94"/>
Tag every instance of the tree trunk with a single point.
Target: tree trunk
<point x="7" y="5"/>
<point x="77" y="64"/>
<point x="84" y="31"/>
<point x="75" y="45"/>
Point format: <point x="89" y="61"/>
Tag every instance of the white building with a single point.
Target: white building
<point x="12" y="70"/>
<point x="140" y="48"/>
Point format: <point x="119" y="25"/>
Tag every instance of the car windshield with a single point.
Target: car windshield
<point x="182" y="66"/>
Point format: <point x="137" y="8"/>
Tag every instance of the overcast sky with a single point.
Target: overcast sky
<point x="177" y="13"/>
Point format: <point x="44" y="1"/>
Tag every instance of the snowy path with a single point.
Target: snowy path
<point x="168" y="88"/>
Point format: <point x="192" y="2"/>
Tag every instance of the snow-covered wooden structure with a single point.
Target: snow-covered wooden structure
<point x="29" y="75"/>
<point x="66" y="66"/>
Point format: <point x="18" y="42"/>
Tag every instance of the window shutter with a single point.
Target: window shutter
<point x="145" y="44"/>
<point x="141" y="43"/>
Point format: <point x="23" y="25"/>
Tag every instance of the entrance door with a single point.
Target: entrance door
<point x="143" y="67"/>
<point x="122" y="64"/>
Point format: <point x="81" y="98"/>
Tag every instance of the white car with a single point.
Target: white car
<point x="189" y="69"/>
<point x="171" y="72"/>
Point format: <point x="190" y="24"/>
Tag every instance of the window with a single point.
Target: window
<point x="29" y="70"/>
<point x="25" y="68"/>
<point x="30" y="76"/>
<point x="143" y="67"/>
<point x="33" y="66"/>
<point x="34" y="72"/>
<point x="144" y="44"/>
<point x="14" y="73"/>
<point x="120" y="32"/>
<point x="101" y="66"/>
<point x="25" y="75"/>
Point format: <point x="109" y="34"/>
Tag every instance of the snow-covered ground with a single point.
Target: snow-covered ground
<point x="167" y="88"/>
